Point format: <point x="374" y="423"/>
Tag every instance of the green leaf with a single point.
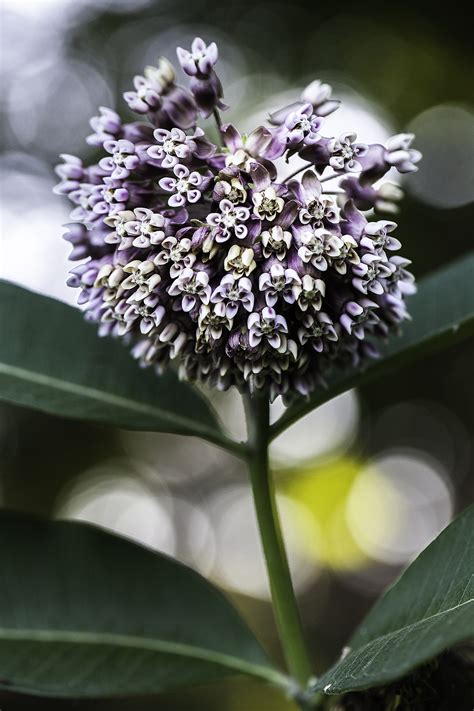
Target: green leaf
<point x="429" y="609"/>
<point x="442" y="311"/>
<point x="52" y="360"/>
<point x="85" y="613"/>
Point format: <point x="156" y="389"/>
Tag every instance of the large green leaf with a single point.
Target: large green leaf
<point x="85" y="613"/>
<point x="429" y="609"/>
<point x="52" y="360"/>
<point x="442" y="311"/>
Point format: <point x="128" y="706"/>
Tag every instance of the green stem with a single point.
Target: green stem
<point x="283" y="596"/>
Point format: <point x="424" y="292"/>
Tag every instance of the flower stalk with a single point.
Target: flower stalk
<point x="282" y="592"/>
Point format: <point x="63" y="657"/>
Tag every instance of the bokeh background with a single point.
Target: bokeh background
<point x="366" y="481"/>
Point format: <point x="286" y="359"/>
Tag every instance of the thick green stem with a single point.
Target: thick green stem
<point x="283" y="596"/>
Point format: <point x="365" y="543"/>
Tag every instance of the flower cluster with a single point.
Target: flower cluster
<point x="197" y="250"/>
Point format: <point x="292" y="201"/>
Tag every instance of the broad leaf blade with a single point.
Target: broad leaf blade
<point x="85" y="613"/>
<point x="429" y="609"/>
<point x="52" y="360"/>
<point x="442" y="311"/>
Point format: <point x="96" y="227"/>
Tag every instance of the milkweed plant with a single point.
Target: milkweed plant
<point x="268" y="262"/>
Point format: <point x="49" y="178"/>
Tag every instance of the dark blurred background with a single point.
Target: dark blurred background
<point x="366" y="481"/>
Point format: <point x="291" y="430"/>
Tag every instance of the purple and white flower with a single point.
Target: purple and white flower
<point x="317" y="330"/>
<point x="315" y="206"/>
<point x="319" y="247"/>
<point x="377" y="236"/>
<point x="157" y="95"/>
<point x="206" y="254"/>
<point x="193" y="288"/>
<point x="124" y="159"/>
<point x="345" y="152"/>
<point x="143" y="278"/>
<point x="279" y="282"/>
<point x="213" y="320"/>
<point x="359" y="316"/>
<point x="267" y="204"/>
<point x="370" y="274"/>
<point x="173" y="147"/>
<point x="267" y="327"/>
<point x="200" y="60"/>
<point x="199" y="65"/>
<point x="177" y="254"/>
<point x="229" y="221"/>
<point x="187" y="187"/>
<point x="276" y="242"/>
<point x="311" y="293"/>
<point x="106" y="127"/>
<point x="347" y="254"/>
<point x="233" y="293"/>
<point x="240" y="261"/>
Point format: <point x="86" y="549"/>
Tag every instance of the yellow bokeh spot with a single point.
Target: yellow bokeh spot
<point x="324" y="490"/>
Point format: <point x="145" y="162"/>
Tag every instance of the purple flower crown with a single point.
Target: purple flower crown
<point x="202" y="254"/>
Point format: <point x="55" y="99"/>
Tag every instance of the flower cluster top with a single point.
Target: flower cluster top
<point x="199" y="252"/>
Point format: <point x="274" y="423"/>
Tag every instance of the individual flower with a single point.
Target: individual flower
<point x="303" y="126"/>
<point x="230" y="186"/>
<point x="315" y="207"/>
<point x="347" y="254"/>
<point x="186" y="186"/>
<point x="279" y="281"/>
<point x="300" y="128"/>
<point x="173" y="147"/>
<point x="401" y="282"/>
<point x="311" y="293"/>
<point x="245" y="151"/>
<point x="401" y="155"/>
<point x="319" y="247"/>
<point x="213" y="320"/>
<point x="205" y="84"/>
<point x="397" y="153"/>
<point x="193" y="288"/>
<point x="377" y="236"/>
<point x="345" y="152"/>
<point x="106" y="127"/>
<point x="148" y="313"/>
<point x="370" y="273"/>
<point x="359" y="316"/>
<point x="230" y="220"/>
<point x="85" y="242"/>
<point x="176" y="253"/>
<point x="268" y="327"/>
<point x="157" y="95"/>
<point x="384" y="198"/>
<point x="267" y="204"/>
<point x="124" y="158"/>
<point x="317" y="330"/>
<point x="234" y="293"/>
<point x="240" y="261"/>
<point x="71" y="172"/>
<point x="200" y="60"/>
<point x="109" y="198"/>
<point x="276" y="242"/>
<point x="318" y="94"/>
<point x="142" y="276"/>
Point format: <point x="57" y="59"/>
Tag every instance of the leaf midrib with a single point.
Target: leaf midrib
<point x="120" y="401"/>
<point x="78" y="637"/>
<point x="380" y="639"/>
<point x="418" y="622"/>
